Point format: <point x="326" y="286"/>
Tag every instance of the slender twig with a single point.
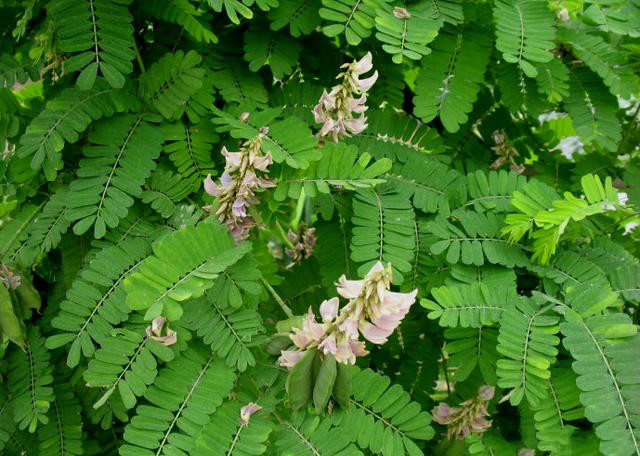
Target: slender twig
<point x="285" y="308"/>
<point x="138" y="57"/>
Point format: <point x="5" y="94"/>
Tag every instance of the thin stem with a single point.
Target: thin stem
<point x="285" y="308"/>
<point x="138" y="57"/>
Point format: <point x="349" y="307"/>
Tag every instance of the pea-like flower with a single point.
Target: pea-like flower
<point x="469" y="418"/>
<point x="335" y="109"/>
<point x="155" y="331"/>
<point x="373" y="311"/>
<point x="247" y="411"/>
<point x="303" y="241"/>
<point x="8" y="278"/>
<point x="236" y="190"/>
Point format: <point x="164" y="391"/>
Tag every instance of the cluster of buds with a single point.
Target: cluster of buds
<point x="506" y="153"/>
<point x="155" y="331"/>
<point x="303" y="241"/>
<point x="372" y="311"/>
<point x="336" y="109"/>
<point x="239" y="181"/>
<point x="8" y="278"/>
<point x="469" y="418"/>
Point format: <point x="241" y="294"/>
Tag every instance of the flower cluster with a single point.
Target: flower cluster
<point x="336" y="109"/>
<point x="238" y="184"/>
<point x="505" y="152"/>
<point x="372" y="311"/>
<point x="154" y="331"/>
<point x="469" y="418"/>
<point x="8" y="278"/>
<point x="303" y="241"/>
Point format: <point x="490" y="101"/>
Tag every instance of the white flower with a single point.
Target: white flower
<point x="247" y="411"/>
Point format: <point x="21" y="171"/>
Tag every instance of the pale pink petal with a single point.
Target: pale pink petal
<point x="442" y="413"/>
<point x="486" y="392"/>
<point x="349" y="289"/>
<point x="357" y="348"/>
<point x="365" y="84"/>
<point x="288" y="358"/>
<point x="328" y="100"/>
<point x="344" y="354"/>
<point x="356" y="125"/>
<point x="233" y="159"/>
<point x="247" y="411"/>
<point x="210" y="187"/>
<point x="364" y="64"/>
<point x="328" y="346"/>
<point x="374" y="334"/>
<point x="261" y="163"/>
<point x="357" y="105"/>
<point x="329" y="308"/>
<point x="350" y="327"/>
<point x="300" y="338"/>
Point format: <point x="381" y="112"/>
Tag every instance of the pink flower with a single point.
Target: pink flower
<point x="442" y="413"/>
<point x="233" y="159"/>
<point x="328" y="345"/>
<point x="288" y="358"/>
<point x="350" y="326"/>
<point x="210" y="187"/>
<point x="261" y="163"/>
<point x="373" y="333"/>
<point x="344" y="353"/>
<point x="329" y="309"/>
<point x="349" y="289"/>
<point x="247" y="411"/>
<point x="486" y="392"/>
<point x="310" y="333"/>
<point x="154" y="331"/>
<point x="356" y="125"/>
<point x="366" y="84"/>
<point x="358" y="105"/>
<point x="364" y="64"/>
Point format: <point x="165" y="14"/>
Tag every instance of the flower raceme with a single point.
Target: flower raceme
<point x="336" y="109"/>
<point x="469" y="418"/>
<point x="236" y="190"/>
<point x="373" y="311"/>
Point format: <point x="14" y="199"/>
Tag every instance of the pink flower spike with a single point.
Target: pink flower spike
<point x="288" y="358"/>
<point x="247" y="411"/>
<point x="329" y="309"/>
<point x="366" y="84"/>
<point x="364" y="64"/>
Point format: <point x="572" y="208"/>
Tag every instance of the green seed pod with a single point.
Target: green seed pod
<point x="10" y="324"/>
<point x="300" y="380"/>
<point x="276" y="343"/>
<point x="324" y="383"/>
<point x="342" y="387"/>
<point x="28" y="296"/>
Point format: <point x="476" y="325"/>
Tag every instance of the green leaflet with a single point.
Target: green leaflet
<point x="383" y="230"/>
<point x="104" y="42"/>
<point x="469" y="306"/>
<point x="450" y="77"/>
<point x="226" y="434"/>
<point x="126" y="361"/>
<point x="188" y="391"/>
<point x="30" y="381"/>
<point x="340" y="167"/>
<point x="120" y="159"/>
<point x="527" y="342"/>
<point x="604" y="347"/>
<point x="183" y="266"/>
<point x="525" y="33"/>
<point x="95" y="303"/>
<point x="382" y="418"/>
